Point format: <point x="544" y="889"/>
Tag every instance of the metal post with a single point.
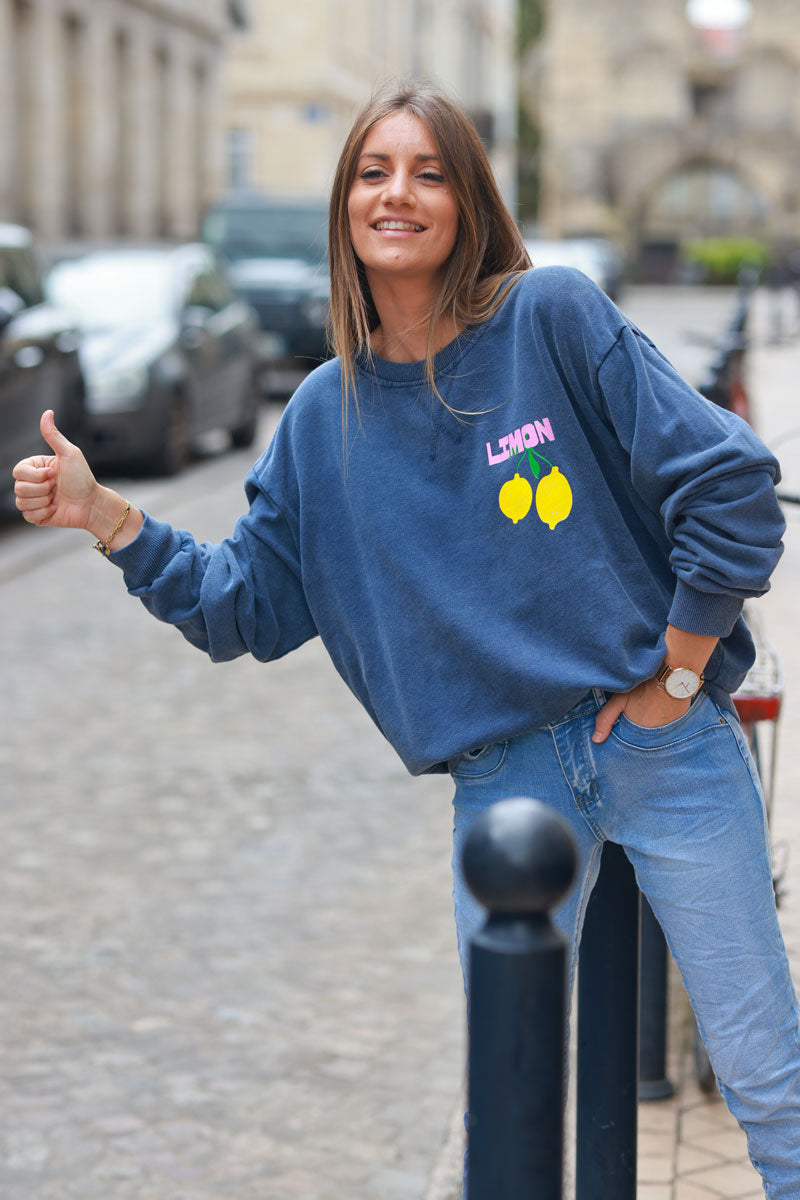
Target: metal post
<point x="653" y="1081"/>
<point x="519" y="861"/>
<point x="608" y="979"/>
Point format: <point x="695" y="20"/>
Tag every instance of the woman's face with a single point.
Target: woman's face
<point x="403" y="216"/>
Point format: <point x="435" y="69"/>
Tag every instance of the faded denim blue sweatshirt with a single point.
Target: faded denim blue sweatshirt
<point x="475" y="570"/>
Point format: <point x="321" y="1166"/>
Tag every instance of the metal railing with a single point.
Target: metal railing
<point x="724" y="382"/>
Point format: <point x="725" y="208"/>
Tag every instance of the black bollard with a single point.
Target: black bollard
<point x="608" y="978"/>
<point x="519" y="861"/>
<point x="653" y="1081"/>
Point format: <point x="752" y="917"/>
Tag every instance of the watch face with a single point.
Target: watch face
<point x="682" y="684"/>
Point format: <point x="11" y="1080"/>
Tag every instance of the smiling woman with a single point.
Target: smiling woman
<point x="536" y="539"/>
<point x="445" y="177"/>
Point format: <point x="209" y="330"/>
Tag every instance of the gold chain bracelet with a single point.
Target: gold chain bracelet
<point x="103" y="547"/>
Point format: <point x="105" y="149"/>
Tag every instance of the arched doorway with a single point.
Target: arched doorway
<point x="695" y="199"/>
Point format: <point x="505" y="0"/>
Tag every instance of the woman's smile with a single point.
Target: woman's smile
<point x="397" y="227"/>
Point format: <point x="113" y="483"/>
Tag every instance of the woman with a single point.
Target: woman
<point x="525" y="542"/>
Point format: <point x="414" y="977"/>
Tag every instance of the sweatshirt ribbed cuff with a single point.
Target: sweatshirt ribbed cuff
<point x="146" y="557"/>
<point x="713" y="614"/>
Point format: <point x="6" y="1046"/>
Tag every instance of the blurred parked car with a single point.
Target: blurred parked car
<point x="39" y="365"/>
<point x="274" y="254"/>
<point x="167" y="353"/>
<point x="596" y="257"/>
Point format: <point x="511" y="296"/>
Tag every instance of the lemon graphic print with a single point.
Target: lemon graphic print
<point x="516" y="497"/>
<point x="553" y="498"/>
<point x="553" y="494"/>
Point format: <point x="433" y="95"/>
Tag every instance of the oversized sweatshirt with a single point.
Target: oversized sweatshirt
<point x="475" y="563"/>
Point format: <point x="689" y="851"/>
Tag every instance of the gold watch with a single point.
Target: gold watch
<point x="679" y="682"/>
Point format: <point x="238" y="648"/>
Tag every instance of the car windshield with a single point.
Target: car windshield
<point x="108" y="290"/>
<point x="269" y="232"/>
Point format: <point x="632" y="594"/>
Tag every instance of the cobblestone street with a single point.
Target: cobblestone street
<point x="229" y="967"/>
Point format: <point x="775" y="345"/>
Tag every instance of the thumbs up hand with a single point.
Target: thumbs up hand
<point x="57" y="489"/>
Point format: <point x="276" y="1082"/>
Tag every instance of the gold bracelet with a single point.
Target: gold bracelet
<point x="103" y="548"/>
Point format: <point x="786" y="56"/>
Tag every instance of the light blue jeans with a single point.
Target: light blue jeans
<point x="684" y="801"/>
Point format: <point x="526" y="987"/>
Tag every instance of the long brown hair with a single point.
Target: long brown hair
<point x="488" y="247"/>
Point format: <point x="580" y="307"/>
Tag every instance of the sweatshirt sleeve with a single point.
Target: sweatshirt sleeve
<point x="244" y="595"/>
<point x="706" y="475"/>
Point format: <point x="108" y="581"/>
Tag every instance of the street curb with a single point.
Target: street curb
<point x="444" y="1182"/>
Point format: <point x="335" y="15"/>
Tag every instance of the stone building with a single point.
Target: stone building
<point x="109" y="115"/>
<point x="655" y="130"/>
<point x="295" y="77"/>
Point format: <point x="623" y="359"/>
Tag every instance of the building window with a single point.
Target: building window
<point x="707" y="199"/>
<point x="163" y="126"/>
<point x="120" y="115"/>
<point x="24" y="127"/>
<point x="240" y="157"/>
<point x="239" y="14"/>
<point x="200" y="90"/>
<point x="74" y="117"/>
<point x="714" y="100"/>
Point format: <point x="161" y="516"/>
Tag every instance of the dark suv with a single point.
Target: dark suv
<point x="275" y="256"/>
<point x="39" y="366"/>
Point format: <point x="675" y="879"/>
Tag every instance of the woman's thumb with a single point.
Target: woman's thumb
<point x="53" y="436"/>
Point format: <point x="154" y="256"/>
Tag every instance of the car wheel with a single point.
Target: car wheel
<point x="172" y="453"/>
<point x="244" y="434"/>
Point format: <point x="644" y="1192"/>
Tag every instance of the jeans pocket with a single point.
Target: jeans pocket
<point x="699" y="717"/>
<point x="480" y="762"/>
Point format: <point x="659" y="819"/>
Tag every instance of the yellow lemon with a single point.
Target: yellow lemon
<point x="553" y="498"/>
<point x="516" y="497"/>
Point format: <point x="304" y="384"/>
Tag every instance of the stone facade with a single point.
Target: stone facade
<point x="295" y="78"/>
<point x="655" y="130"/>
<point x="125" y="118"/>
<point x="108" y="115"/>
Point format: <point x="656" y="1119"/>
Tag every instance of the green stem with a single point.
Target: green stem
<point x="528" y="450"/>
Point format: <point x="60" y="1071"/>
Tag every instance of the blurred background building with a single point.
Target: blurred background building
<point x="109" y="114"/>
<point x="294" y="79"/>
<point x="125" y="118"/>
<point x="648" y="124"/>
<point x="665" y="121"/>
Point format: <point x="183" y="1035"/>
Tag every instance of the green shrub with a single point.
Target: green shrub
<point x="721" y="258"/>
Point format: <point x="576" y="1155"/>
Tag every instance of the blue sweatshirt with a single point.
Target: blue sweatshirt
<point x="474" y="569"/>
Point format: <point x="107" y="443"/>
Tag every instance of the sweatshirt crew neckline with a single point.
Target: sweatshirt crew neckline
<point x="414" y="372"/>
